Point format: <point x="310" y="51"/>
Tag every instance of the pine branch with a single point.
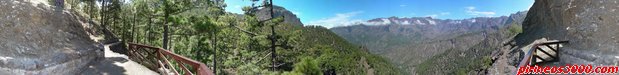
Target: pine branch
<point x="242" y="30"/>
<point x="265" y="56"/>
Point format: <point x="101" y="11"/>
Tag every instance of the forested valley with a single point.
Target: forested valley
<point x="231" y="44"/>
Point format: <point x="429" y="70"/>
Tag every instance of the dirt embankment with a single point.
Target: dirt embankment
<point x="38" y="39"/>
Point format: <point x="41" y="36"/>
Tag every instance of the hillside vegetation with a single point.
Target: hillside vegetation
<point x="238" y="44"/>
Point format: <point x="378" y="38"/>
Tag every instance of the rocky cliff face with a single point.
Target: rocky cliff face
<point x="38" y="39"/>
<point x="289" y="17"/>
<point x="589" y="25"/>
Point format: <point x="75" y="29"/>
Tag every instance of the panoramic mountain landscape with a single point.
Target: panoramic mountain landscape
<point x="308" y="37"/>
<point x="421" y="44"/>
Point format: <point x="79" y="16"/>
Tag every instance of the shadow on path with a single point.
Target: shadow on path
<point x="107" y="66"/>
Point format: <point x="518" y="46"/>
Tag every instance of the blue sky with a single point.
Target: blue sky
<point x="331" y="13"/>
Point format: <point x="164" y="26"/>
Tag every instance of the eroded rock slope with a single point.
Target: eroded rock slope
<point x="38" y="39"/>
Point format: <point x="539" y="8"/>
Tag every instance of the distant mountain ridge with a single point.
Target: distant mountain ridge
<point x="421" y="28"/>
<point x="412" y="41"/>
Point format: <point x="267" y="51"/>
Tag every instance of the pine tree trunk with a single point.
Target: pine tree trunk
<point x="273" y="40"/>
<point x="215" y="52"/>
<point x="133" y="27"/>
<point x="148" y="31"/>
<point x="102" y="19"/>
<point x="165" y="25"/>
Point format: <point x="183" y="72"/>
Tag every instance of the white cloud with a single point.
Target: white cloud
<point x="340" y="19"/>
<point x="405" y="23"/>
<point x="455" y="22"/>
<point x="345" y="19"/>
<point x="471" y="11"/>
<point x="384" y="22"/>
<point x="431" y="22"/>
<point x="433" y="15"/>
<point x="473" y="20"/>
<point x="419" y="22"/>
<point x="439" y="14"/>
<point x="296" y="13"/>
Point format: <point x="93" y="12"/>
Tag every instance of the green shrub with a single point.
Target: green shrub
<point x="487" y="61"/>
<point x="307" y="66"/>
<point x="515" y="28"/>
<point x="292" y="73"/>
<point x="462" y="71"/>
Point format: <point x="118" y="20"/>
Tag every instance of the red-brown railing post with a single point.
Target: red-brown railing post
<point x="161" y="55"/>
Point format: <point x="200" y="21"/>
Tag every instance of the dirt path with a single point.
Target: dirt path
<point x="116" y="64"/>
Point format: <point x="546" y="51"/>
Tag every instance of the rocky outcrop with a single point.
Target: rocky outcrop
<point x="590" y="26"/>
<point x="289" y="17"/>
<point x="40" y="40"/>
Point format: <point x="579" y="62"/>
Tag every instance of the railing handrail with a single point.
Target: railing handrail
<point x="555" y="42"/>
<point x="200" y="68"/>
<point x="527" y="59"/>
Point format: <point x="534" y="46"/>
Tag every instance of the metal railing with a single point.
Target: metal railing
<point x="159" y="59"/>
<point x="532" y="55"/>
